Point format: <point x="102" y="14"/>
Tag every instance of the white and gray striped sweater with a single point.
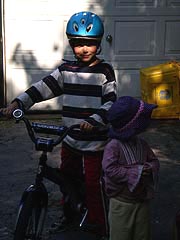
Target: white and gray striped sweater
<point x="87" y="93"/>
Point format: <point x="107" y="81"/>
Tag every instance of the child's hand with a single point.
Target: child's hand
<point x="85" y="126"/>
<point x="9" y="110"/>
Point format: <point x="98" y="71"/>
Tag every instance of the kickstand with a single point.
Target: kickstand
<point x="83" y="219"/>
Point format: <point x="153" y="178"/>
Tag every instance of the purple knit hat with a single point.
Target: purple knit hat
<point x="129" y="117"/>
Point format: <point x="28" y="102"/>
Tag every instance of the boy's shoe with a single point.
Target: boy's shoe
<point x="88" y="227"/>
<point x="95" y="229"/>
<point x="104" y="238"/>
<point x="61" y="226"/>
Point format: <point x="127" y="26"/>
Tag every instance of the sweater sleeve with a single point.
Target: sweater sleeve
<point x="109" y="95"/>
<point x="47" y="88"/>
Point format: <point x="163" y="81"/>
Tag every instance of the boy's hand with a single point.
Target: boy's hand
<point x="85" y="126"/>
<point x="9" y="110"/>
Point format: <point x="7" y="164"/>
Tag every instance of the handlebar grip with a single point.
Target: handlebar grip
<point x="100" y="130"/>
<point x="18" y="114"/>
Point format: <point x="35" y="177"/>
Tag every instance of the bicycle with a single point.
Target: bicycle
<point x="34" y="201"/>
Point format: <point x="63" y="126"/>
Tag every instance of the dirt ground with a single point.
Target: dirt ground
<point x="18" y="161"/>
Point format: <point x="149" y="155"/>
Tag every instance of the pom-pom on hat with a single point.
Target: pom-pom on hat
<point x="128" y="117"/>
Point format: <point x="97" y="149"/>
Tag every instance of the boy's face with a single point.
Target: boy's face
<point x="85" y="50"/>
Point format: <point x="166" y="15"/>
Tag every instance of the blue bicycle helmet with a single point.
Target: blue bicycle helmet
<point x="85" y="25"/>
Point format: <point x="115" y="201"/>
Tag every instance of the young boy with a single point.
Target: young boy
<point x="130" y="170"/>
<point x="88" y="87"/>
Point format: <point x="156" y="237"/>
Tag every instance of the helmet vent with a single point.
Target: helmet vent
<point x="89" y="27"/>
<point x="75" y="26"/>
<point x="83" y="21"/>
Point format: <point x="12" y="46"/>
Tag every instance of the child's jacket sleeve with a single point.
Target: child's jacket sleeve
<point x="117" y="173"/>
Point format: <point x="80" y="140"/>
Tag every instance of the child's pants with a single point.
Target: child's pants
<point x="88" y="165"/>
<point x="129" y="221"/>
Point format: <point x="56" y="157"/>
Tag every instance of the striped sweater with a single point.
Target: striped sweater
<point x="87" y="93"/>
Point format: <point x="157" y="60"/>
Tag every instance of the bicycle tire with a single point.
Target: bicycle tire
<point x="30" y="220"/>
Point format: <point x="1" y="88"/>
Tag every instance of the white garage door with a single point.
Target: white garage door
<point x="138" y="33"/>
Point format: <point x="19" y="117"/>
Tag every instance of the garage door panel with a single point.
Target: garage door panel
<point x="134" y="38"/>
<point x="173" y="3"/>
<point x="135" y="3"/>
<point x="172" y="37"/>
<point x="144" y="8"/>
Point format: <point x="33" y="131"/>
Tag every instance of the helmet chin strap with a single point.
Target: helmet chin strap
<point x="99" y="49"/>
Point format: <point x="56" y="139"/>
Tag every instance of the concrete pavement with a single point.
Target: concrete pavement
<point x="18" y="164"/>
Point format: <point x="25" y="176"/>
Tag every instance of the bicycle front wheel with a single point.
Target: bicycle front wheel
<point x="30" y="219"/>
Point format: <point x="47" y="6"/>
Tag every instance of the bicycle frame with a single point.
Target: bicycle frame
<point x="35" y="197"/>
<point x="34" y="201"/>
<point x="38" y="189"/>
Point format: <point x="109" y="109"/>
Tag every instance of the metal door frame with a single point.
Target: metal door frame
<point x="2" y="80"/>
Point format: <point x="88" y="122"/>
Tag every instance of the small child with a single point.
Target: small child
<point x="130" y="170"/>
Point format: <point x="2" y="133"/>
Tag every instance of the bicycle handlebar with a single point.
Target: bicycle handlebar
<point x="43" y="143"/>
<point x="49" y="129"/>
<point x="47" y="144"/>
